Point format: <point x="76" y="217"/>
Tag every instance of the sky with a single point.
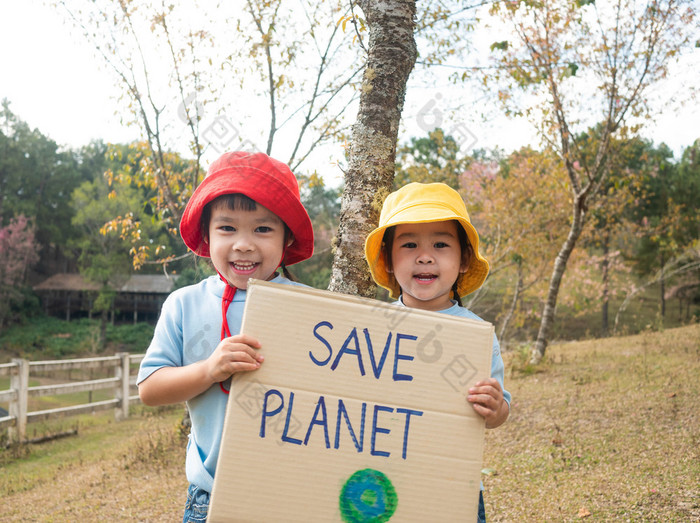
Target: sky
<point x="56" y="84"/>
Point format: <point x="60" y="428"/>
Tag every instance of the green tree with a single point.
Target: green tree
<point x="664" y="211"/>
<point x="595" y="273"/>
<point x="323" y="206"/>
<point x="115" y="218"/>
<point x="687" y="194"/>
<point x="150" y="227"/>
<point x="435" y="158"/>
<point x="36" y="180"/>
<point x="563" y="61"/>
<point x="103" y="257"/>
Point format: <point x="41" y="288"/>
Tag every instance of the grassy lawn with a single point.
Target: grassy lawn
<point x="111" y="471"/>
<point x="602" y="430"/>
<point x="607" y="427"/>
<point x="48" y="338"/>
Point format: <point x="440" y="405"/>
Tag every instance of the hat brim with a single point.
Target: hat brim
<point x="467" y="282"/>
<point x="277" y="198"/>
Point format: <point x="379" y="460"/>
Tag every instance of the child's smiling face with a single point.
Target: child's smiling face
<point x="245" y="244"/>
<point x="426" y="261"/>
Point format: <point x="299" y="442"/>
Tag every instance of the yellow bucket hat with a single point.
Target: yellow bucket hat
<point x="423" y="203"/>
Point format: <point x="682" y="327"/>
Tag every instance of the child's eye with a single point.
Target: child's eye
<point x="441" y="245"/>
<point x="227" y="228"/>
<point x="263" y="229"/>
<point x="409" y="245"/>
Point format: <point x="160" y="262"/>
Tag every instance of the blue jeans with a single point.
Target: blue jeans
<point x="481" y="516"/>
<point x="197" y="505"/>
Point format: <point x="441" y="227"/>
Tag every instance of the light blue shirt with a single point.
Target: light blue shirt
<point x="188" y="331"/>
<point x="497" y="368"/>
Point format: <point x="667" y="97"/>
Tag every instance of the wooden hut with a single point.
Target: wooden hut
<point x="138" y="299"/>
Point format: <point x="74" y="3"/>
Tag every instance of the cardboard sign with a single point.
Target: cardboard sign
<point x="358" y="413"/>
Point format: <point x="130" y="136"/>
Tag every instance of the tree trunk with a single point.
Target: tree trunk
<point x="663" y="285"/>
<point x="102" y="338"/>
<point x="391" y="57"/>
<point x="606" y="282"/>
<point x="513" y="304"/>
<point x="555" y="281"/>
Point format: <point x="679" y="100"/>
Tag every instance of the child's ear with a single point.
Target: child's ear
<point x="383" y="257"/>
<point x="464" y="267"/>
<point x="290" y="240"/>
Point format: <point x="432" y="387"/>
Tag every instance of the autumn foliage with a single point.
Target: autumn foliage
<point x="18" y="251"/>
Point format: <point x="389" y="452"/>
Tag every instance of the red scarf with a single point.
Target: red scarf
<point x="226" y="300"/>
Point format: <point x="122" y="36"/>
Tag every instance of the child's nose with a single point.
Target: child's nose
<point x="243" y="243"/>
<point x="424" y="257"/>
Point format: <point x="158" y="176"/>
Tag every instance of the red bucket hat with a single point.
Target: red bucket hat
<point x="267" y="181"/>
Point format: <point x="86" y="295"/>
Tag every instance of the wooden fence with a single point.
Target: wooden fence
<point x="122" y="383"/>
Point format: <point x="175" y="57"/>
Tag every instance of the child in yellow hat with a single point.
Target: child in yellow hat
<point x="425" y="252"/>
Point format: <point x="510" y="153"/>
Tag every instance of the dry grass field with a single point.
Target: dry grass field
<point x="602" y="430"/>
<point x="605" y="430"/>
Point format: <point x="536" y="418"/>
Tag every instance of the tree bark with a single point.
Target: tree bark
<point x="391" y="57"/>
<point x="102" y="339"/>
<point x="513" y="304"/>
<point x="662" y="285"/>
<point x="606" y="282"/>
<point x="579" y="214"/>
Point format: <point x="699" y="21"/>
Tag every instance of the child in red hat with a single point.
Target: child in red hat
<point x="246" y="216"/>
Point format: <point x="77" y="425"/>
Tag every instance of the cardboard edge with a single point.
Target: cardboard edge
<point x="350" y="298"/>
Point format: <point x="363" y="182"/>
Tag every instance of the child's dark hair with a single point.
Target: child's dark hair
<point x="239" y="202"/>
<point x="467" y="252"/>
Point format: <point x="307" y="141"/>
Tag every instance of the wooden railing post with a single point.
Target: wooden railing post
<point x="17" y="394"/>
<point x="122" y="392"/>
<point x="18" y="408"/>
